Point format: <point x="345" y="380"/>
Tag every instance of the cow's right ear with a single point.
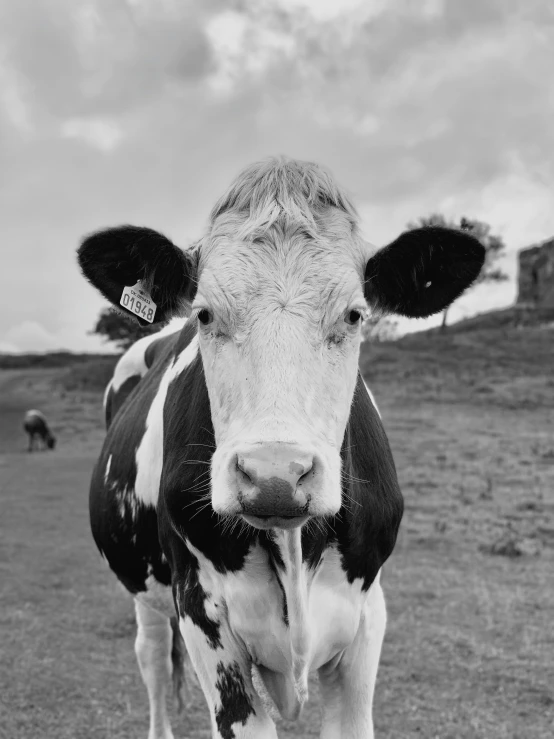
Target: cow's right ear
<point x="119" y="257"/>
<point x="423" y="271"/>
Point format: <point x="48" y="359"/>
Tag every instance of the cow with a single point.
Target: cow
<point x="35" y="425"/>
<point x="246" y="494"/>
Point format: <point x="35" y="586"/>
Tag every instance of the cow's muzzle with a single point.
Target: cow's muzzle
<point x="274" y="482"/>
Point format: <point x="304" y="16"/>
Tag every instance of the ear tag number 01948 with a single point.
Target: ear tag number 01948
<point x="138" y="301"/>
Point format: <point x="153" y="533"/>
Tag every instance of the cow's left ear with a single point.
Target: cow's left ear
<point x="118" y="257"/>
<point x="423" y="271"/>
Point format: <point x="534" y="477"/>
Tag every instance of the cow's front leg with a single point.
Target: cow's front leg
<point x="153" y="650"/>
<point x="347" y="687"/>
<point x="224" y="668"/>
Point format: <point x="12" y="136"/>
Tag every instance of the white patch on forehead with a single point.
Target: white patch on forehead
<point x="287" y="276"/>
<point x="149" y="455"/>
<point x="287" y="221"/>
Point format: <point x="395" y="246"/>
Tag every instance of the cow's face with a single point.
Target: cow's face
<point x="277" y="288"/>
<point x="279" y="323"/>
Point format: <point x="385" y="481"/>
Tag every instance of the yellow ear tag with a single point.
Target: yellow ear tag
<point x="137" y="300"/>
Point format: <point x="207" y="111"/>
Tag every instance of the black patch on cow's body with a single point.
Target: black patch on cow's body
<point x="191" y="601"/>
<point x="156" y="346"/>
<point x="124" y="529"/>
<point x="188" y="449"/>
<point x="276" y="564"/>
<point x="236" y="706"/>
<point x="267" y="542"/>
<point x="116" y="398"/>
<point x="315" y="540"/>
<point x="368" y="521"/>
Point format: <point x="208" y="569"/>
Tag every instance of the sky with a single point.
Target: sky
<point x="143" y="111"/>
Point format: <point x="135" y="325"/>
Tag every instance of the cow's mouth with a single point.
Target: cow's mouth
<point x="276" y="522"/>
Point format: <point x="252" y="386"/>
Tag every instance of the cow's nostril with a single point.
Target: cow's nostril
<point x="242" y="471"/>
<point x="309" y="471"/>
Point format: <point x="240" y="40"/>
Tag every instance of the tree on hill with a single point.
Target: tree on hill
<point x="494" y="247"/>
<point x="121" y="329"/>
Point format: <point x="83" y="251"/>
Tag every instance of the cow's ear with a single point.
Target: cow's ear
<point x="119" y="257"/>
<point x="423" y="271"/>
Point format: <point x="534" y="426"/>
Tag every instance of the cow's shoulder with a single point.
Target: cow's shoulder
<point x="134" y="364"/>
<point x="126" y="479"/>
<point x="372" y="506"/>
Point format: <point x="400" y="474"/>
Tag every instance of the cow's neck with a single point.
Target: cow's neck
<point x="289" y="692"/>
<point x="296" y="581"/>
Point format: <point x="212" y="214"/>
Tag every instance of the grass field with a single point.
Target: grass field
<point x="469" y="650"/>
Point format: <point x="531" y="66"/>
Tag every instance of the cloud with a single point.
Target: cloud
<point x="325" y="10"/>
<point x="101" y="134"/>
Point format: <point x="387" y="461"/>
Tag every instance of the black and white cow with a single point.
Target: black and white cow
<point x="35" y="425"/>
<point x="246" y="487"/>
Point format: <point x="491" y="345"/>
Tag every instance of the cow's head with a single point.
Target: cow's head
<point x="278" y="287"/>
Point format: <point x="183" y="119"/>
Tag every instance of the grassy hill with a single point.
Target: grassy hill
<point x="503" y="357"/>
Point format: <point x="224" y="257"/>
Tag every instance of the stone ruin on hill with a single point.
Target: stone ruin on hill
<point x="536" y="276"/>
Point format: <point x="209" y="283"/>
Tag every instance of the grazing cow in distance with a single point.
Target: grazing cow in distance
<point x="35" y="425"/>
<point x="246" y="490"/>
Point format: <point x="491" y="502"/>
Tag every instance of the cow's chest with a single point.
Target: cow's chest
<point x="289" y="619"/>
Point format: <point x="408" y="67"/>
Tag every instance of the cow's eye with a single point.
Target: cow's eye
<point x="353" y="317"/>
<point x="205" y="317"/>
